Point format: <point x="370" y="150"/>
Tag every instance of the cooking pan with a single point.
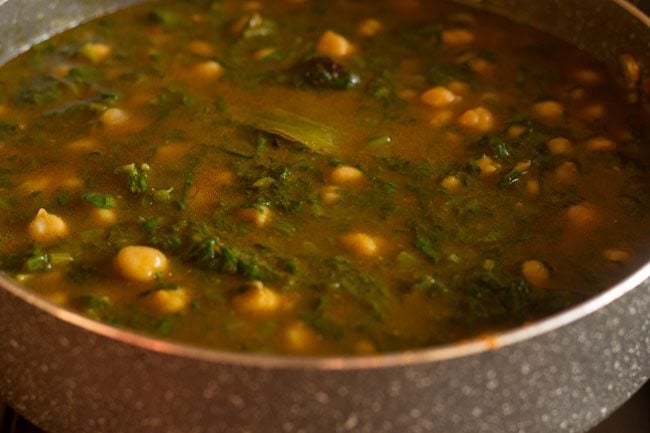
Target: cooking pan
<point x="70" y="374"/>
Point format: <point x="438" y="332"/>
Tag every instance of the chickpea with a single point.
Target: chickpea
<point x="452" y="138"/>
<point x="257" y="299"/>
<point x="458" y="87"/>
<point x="451" y="183"/>
<point x="96" y="52"/>
<point x="170" y="153"/>
<point x="600" y="144"/>
<point x="299" y="338"/>
<point x="481" y="67"/>
<point x="346" y="175"/>
<point x="46" y="228"/>
<point x="582" y="216"/>
<point x="516" y="131"/>
<point x="479" y="119"/>
<point x="407" y="94"/>
<point x="360" y="244"/>
<point x="457" y="37"/>
<point x="487" y="166"/>
<point x="139" y="263"/>
<point x="208" y="70"/>
<point x="263" y="53"/>
<point x="168" y="301"/>
<point x="83" y="145"/>
<point x="559" y="146"/>
<point x="207" y="186"/>
<point x="330" y="194"/>
<point x="365" y="347"/>
<point x="438" y="97"/>
<point x="533" y="188"/>
<point x="201" y="48"/>
<point x="536" y="273"/>
<point x="114" y="117"/>
<point x="550" y="110"/>
<point x="104" y="217"/>
<point x="578" y="94"/>
<point x="259" y="217"/>
<point x="567" y="172"/>
<point x="40" y="183"/>
<point x="631" y="69"/>
<point x="369" y="27"/>
<point x="72" y="182"/>
<point x="593" y="112"/>
<point x="588" y="77"/>
<point x="617" y="255"/>
<point x="523" y="166"/>
<point x="334" y="45"/>
<point x="441" y="118"/>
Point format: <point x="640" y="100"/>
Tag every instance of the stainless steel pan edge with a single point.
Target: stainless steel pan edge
<point x="69" y="374"/>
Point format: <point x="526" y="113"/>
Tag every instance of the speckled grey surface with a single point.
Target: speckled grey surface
<point x="69" y="380"/>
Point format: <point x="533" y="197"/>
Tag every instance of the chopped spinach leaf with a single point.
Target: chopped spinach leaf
<point x="101" y="201"/>
<point x="137" y="177"/>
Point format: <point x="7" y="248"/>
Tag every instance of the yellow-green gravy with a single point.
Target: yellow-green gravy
<point x="317" y="177"/>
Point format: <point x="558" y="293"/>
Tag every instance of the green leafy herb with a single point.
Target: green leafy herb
<point x="256" y="26"/>
<point x="137" y="177"/>
<point x="494" y="145"/>
<point x="427" y="241"/>
<point x="489" y="294"/>
<point x="405" y="258"/>
<point x="339" y="277"/>
<point x="236" y="153"/>
<point x="94" y="306"/>
<point x="164" y="285"/>
<point x="38" y="262"/>
<point x="428" y="34"/>
<point x="196" y="245"/>
<point x="383" y="87"/>
<point x="442" y="74"/>
<point x="511" y="177"/>
<point x="41" y="91"/>
<point x="82" y="273"/>
<point x="194" y="163"/>
<point x="430" y="285"/>
<point x="163" y="17"/>
<point x="7" y="128"/>
<point x="263" y="182"/>
<point x="83" y="74"/>
<point x="101" y="201"/>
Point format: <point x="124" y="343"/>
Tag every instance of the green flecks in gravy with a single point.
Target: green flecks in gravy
<point x="314" y="177"/>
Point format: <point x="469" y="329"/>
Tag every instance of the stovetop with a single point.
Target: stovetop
<point x="632" y="417"/>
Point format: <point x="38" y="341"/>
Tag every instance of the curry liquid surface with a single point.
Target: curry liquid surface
<point x="316" y="177"/>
